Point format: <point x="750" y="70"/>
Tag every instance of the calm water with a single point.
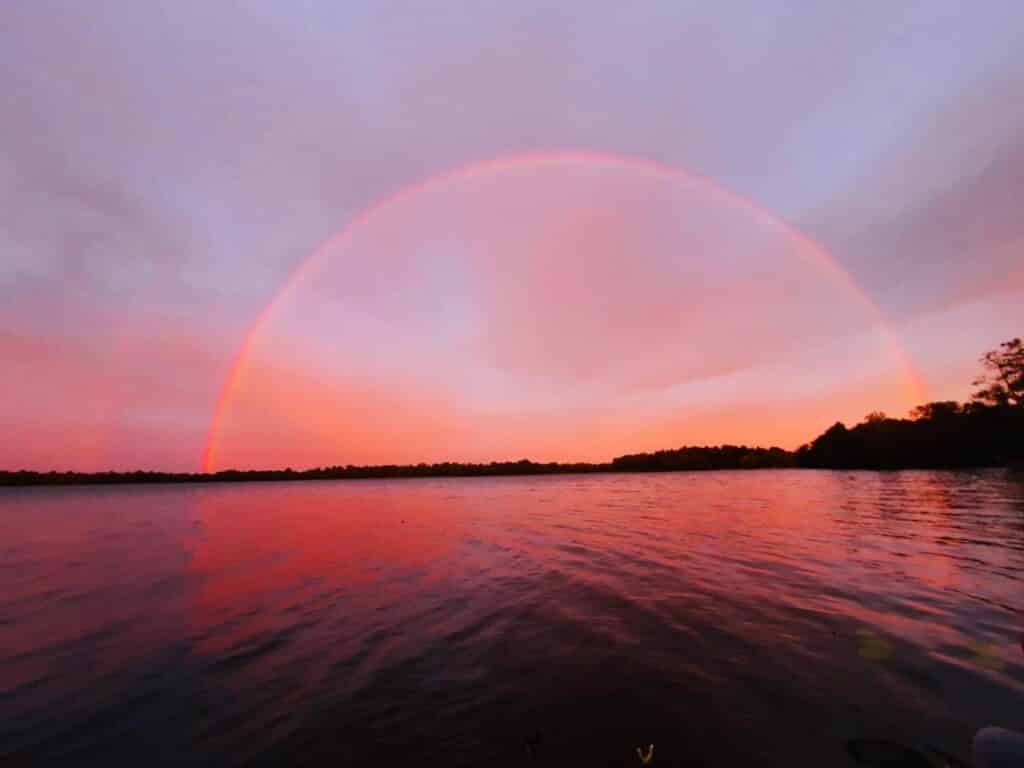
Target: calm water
<point x="729" y="618"/>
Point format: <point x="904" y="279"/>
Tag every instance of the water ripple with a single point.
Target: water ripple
<point x="446" y="620"/>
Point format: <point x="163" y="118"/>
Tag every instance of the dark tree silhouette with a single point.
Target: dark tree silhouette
<point x="1003" y="380"/>
<point x="945" y="409"/>
<point x="986" y="432"/>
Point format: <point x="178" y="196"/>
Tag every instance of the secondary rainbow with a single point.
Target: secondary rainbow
<point x="809" y="250"/>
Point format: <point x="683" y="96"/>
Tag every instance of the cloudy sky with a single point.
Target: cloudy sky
<point x="336" y="232"/>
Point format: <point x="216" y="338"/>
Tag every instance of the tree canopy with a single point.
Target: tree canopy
<point x="989" y="431"/>
<point x="1003" y="380"/>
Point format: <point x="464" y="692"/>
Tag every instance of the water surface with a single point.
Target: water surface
<point x="754" y="618"/>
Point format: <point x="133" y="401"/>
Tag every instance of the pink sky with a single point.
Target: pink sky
<point x="163" y="173"/>
<point x="560" y="306"/>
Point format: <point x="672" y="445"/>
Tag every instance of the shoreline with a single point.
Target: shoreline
<point x="29" y="479"/>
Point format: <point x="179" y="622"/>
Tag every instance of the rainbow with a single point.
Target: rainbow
<point x="809" y="250"/>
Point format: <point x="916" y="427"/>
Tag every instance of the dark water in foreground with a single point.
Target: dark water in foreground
<point x="758" y="618"/>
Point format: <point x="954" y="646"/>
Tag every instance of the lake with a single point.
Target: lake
<point x="729" y="618"/>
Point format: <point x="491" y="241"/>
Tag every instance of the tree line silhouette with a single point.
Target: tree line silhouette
<point x="987" y="431"/>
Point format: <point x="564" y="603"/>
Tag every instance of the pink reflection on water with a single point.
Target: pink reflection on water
<point x="845" y="586"/>
<point x="290" y="546"/>
<point x="94" y="580"/>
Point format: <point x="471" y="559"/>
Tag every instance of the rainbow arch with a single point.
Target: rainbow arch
<point x="809" y="251"/>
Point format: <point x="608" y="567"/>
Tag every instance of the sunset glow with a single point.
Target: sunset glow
<point x="511" y="383"/>
<point x="319" y="235"/>
<point x="556" y="305"/>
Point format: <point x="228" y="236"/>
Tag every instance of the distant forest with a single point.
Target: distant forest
<point x="984" y="432"/>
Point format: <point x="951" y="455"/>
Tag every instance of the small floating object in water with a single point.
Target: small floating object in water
<point x="873" y="647"/>
<point x="998" y="748"/>
<point x="646" y="759"/>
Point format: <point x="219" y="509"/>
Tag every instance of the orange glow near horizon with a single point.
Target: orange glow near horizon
<point x="559" y="306"/>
